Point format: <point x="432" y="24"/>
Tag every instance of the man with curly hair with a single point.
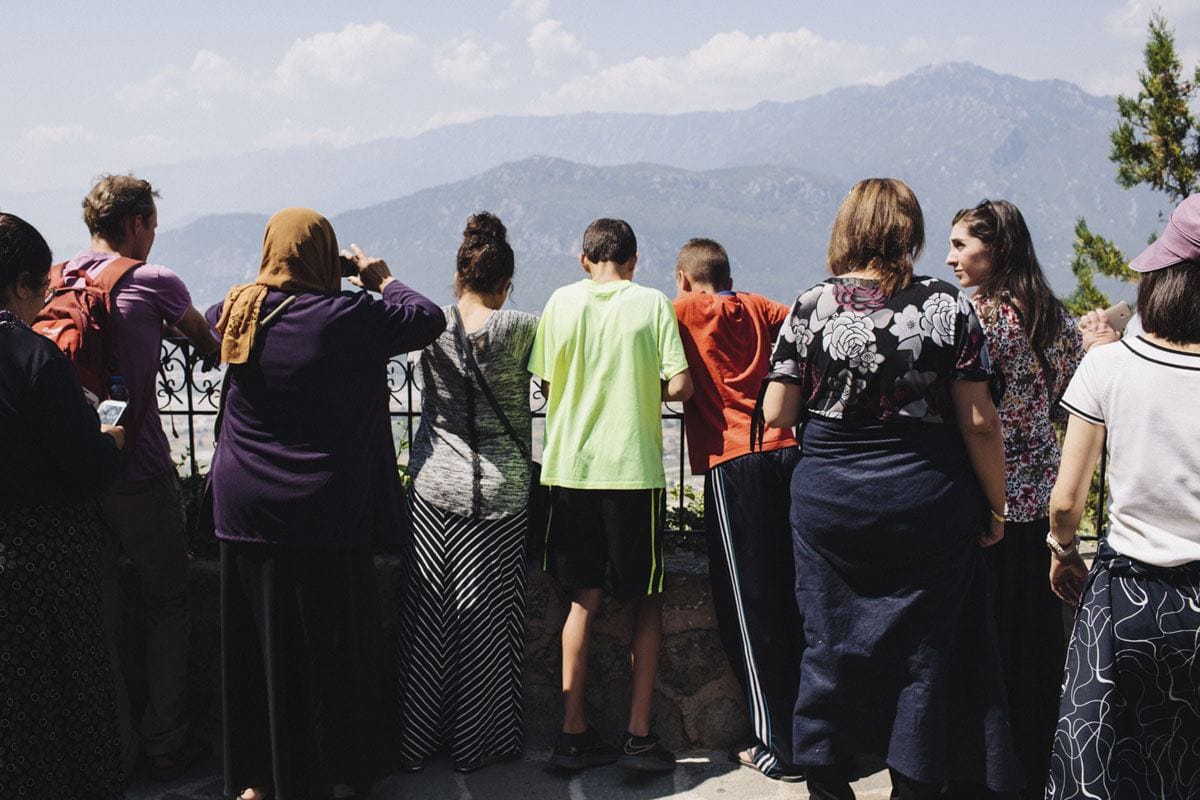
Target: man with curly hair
<point x="143" y="509"/>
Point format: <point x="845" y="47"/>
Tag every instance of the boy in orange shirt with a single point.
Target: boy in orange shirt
<point x="727" y="337"/>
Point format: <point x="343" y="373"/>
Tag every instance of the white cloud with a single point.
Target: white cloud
<point x="730" y="70"/>
<point x="1130" y="20"/>
<point x="56" y="135"/>
<point x="349" y="57"/>
<point x="556" y="49"/>
<point x="531" y="10"/>
<point x="467" y="62"/>
<point x="209" y="76"/>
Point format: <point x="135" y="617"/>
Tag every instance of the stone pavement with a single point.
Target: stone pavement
<point x="703" y="776"/>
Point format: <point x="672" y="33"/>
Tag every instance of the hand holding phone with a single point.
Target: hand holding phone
<point x="1119" y="316"/>
<point x="111" y="411"/>
<point x="117" y="433"/>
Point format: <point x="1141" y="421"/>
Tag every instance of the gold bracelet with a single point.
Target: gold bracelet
<point x="1001" y="518"/>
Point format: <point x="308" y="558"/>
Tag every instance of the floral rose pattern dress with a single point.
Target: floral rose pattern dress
<point x="1030" y="445"/>
<point x="861" y="356"/>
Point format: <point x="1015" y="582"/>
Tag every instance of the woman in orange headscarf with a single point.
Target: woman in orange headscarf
<point x="304" y="481"/>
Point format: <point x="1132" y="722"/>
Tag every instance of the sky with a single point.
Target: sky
<point x="91" y="87"/>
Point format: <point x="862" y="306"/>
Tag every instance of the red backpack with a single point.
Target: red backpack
<point x="77" y="320"/>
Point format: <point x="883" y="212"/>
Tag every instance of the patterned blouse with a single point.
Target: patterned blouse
<point x="864" y="357"/>
<point x="1031" y="447"/>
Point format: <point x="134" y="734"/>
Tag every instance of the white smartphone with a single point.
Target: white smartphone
<point x="1119" y="315"/>
<point x="111" y="411"/>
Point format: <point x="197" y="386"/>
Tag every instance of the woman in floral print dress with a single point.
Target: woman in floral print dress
<point x="902" y="460"/>
<point x="1036" y="345"/>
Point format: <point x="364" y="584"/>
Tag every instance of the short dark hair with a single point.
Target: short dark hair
<point x="1168" y="301"/>
<point x="485" y="259"/>
<point x="113" y="200"/>
<point x="704" y="261"/>
<point x="23" y="251"/>
<point x="609" y="240"/>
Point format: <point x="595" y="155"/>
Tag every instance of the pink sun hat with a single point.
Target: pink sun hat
<point x="1180" y="241"/>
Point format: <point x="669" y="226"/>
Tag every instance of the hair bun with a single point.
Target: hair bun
<point x="485" y="225"/>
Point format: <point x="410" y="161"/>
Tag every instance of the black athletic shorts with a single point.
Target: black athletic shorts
<point x="618" y="532"/>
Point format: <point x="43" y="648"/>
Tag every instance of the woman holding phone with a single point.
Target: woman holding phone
<point x="1035" y="345"/>
<point x="304" y="483"/>
<point x="1130" y="712"/>
<point x="58" y="712"/>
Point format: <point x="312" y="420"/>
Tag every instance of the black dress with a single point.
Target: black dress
<point x="901" y="659"/>
<point x="58" y="727"/>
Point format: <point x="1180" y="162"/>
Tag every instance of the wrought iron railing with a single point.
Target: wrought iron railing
<point x="189" y="398"/>
<point x="186" y="393"/>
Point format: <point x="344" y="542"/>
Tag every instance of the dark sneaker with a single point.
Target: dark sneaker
<point x="645" y="753"/>
<point x="579" y="750"/>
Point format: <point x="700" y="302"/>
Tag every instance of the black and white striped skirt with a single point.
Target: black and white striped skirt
<point x="462" y="626"/>
<point x="1129" y="721"/>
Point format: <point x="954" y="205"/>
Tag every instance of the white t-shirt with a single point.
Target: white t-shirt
<point x="1146" y="396"/>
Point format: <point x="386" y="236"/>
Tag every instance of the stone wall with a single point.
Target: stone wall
<point x="697" y="703"/>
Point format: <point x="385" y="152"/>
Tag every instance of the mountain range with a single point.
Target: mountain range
<point x="766" y="181"/>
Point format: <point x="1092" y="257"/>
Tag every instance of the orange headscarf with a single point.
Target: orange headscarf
<point x="300" y="254"/>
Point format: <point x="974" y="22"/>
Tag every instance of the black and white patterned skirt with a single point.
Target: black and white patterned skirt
<point x="462" y="627"/>
<point x="1129" y="721"/>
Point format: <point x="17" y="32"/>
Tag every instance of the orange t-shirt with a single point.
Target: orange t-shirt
<point x="728" y="340"/>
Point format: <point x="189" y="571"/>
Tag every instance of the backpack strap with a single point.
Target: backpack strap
<point x="113" y="271"/>
<point x="56" y="275"/>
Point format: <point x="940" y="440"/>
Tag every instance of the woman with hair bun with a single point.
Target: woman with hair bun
<point x="1036" y="346"/>
<point x="462" y="601"/>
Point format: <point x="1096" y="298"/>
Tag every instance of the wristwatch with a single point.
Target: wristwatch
<point x="1060" y="550"/>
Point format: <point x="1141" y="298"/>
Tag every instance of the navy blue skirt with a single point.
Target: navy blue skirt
<point x="902" y="659"/>
<point x="1129" y="722"/>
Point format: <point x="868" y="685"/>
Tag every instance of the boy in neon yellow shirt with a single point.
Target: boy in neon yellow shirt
<point x="608" y="352"/>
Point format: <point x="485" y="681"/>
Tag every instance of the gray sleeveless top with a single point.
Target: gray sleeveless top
<point x="463" y="460"/>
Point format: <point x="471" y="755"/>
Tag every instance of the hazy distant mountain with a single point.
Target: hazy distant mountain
<point x="766" y="217"/>
<point x="955" y="132"/>
<point x="952" y="127"/>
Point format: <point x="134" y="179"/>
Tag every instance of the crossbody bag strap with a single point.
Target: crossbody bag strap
<point x="263" y="324"/>
<point x="469" y="358"/>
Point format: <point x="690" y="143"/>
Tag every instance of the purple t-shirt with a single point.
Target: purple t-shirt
<point x="146" y="298"/>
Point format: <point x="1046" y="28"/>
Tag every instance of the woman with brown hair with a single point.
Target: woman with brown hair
<point x="462" y="600"/>
<point x="1036" y="346"/>
<point x="899" y="485"/>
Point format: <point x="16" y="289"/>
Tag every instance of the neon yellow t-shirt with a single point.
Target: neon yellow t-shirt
<point x="604" y="348"/>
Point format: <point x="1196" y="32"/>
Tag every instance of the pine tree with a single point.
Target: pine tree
<point x="1156" y="143"/>
<point x="1094" y="255"/>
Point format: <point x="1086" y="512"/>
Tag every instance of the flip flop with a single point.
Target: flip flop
<point x="746" y="757"/>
